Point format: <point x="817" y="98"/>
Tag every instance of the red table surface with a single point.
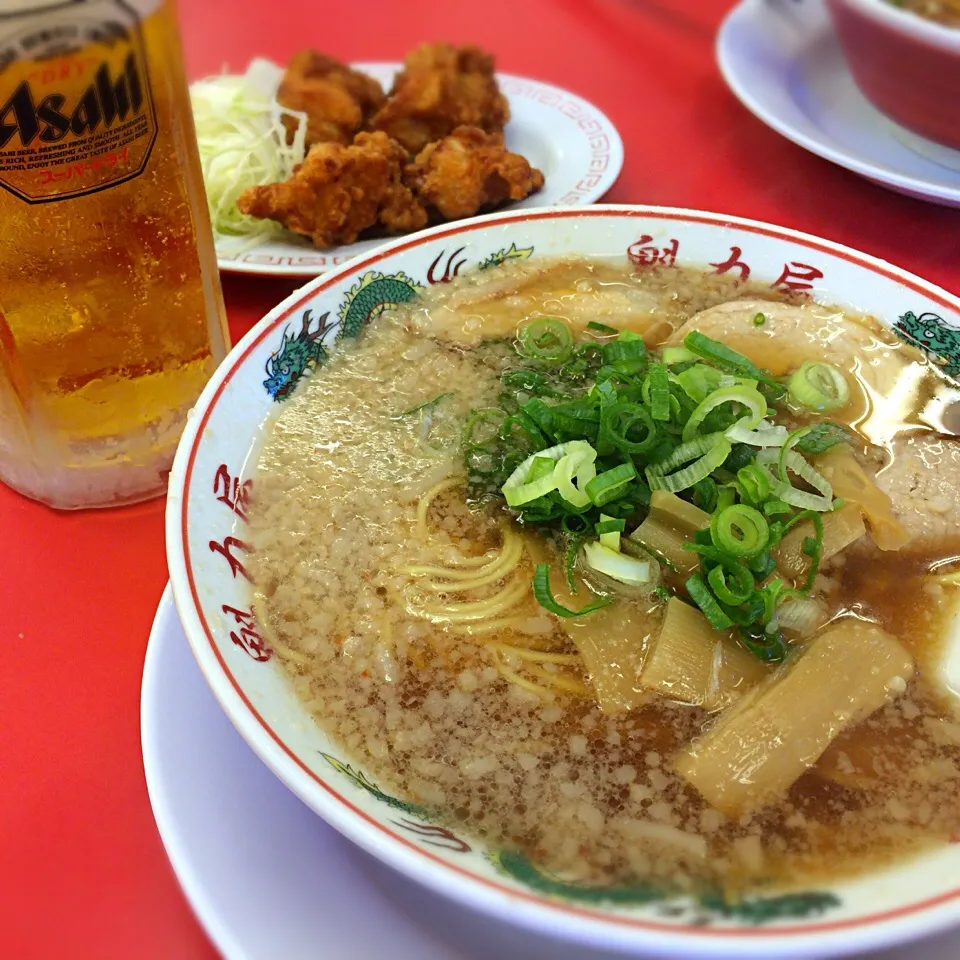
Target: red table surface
<point x="82" y="870"/>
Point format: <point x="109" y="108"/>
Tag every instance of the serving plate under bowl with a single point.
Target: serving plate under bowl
<point x="782" y="59"/>
<point x="206" y="546"/>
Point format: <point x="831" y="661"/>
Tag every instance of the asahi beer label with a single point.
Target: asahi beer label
<point x="76" y="110"/>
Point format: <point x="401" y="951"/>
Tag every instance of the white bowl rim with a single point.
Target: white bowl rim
<point x="569" y="921"/>
<point x="908" y="22"/>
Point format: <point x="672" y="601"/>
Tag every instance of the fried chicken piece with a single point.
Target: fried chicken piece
<point x="336" y="98"/>
<point x="440" y="88"/>
<point x="339" y="191"/>
<point x="469" y="171"/>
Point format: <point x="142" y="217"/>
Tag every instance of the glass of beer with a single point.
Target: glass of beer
<point x="111" y="316"/>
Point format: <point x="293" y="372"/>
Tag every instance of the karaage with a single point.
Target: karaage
<point x="336" y="98"/>
<point x="469" y="171"/>
<point x="440" y="88"/>
<point x="340" y="191"/>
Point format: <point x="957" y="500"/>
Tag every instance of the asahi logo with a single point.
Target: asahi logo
<point x="107" y="100"/>
<point x="76" y="108"/>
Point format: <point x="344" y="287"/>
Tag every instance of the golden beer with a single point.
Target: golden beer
<point x="111" y="317"/>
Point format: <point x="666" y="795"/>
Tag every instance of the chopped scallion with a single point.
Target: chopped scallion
<point x="748" y="397"/>
<point x="426" y="405"/>
<point x="708" y="453"/>
<point x="722" y="357"/>
<point x="705" y="600"/>
<point x="740" y="530"/>
<point x="544" y="596"/>
<point x="608" y="485"/>
<point x="618" y="565"/>
<point x="659" y="392"/>
<point x="818" y="386"/>
<point x="609" y="529"/>
<point x="547" y="339"/>
<point x="601" y="327"/>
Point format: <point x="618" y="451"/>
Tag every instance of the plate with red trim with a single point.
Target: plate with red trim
<point x="207" y="549"/>
<point x="570" y="140"/>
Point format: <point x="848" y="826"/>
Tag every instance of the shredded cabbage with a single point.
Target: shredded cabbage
<point x="243" y="143"/>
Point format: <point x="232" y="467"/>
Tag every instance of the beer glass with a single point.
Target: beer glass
<point x="111" y="316"/>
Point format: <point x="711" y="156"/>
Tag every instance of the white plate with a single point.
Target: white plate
<point x="783" y="61"/>
<point x="570" y="140"/>
<point x="267" y="878"/>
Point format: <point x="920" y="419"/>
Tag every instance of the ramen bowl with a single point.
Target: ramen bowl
<point x="908" y="67"/>
<point x="207" y="545"/>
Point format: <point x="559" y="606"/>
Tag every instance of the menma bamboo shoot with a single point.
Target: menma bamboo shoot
<point x="690" y="662"/>
<point x="779" y="729"/>
<point x="840" y="528"/>
<point x="613" y="642"/>
<point x="671" y="523"/>
<point x="850" y="481"/>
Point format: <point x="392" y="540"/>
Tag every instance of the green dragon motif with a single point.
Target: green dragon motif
<point x="760" y="910"/>
<point x="298" y="353"/>
<point x="516" y="865"/>
<point x="502" y="256"/>
<point x="705" y="909"/>
<point x="933" y="336"/>
<point x="362" y="781"/>
<point x="372" y="294"/>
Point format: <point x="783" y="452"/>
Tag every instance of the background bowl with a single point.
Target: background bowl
<point x="206" y="549"/>
<point x="907" y="66"/>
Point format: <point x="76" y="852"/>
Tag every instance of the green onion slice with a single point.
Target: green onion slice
<point x="575" y="524"/>
<point x="792" y="440"/>
<point x="732" y="584"/>
<point x="547" y="339"/>
<point x="749" y="397"/>
<point x="820" y="437"/>
<point x="707" y="452"/>
<point x="426" y="405"/>
<point x="699" y="381"/>
<point x="541" y="414"/>
<point x="627" y="354"/>
<point x="618" y="565"/>
<point x="659" y="392"/>
<point x="705" y="600"/>
<point x="722" y="357"/>
<point x="740" y="530"/>
<point x="766" y="435"/>
<point x="818" y="386"/>
<point x="573" y="474"/>
<point x="706" y="494"/>
<point x="520" y="489"/>
<point x="812" y="546"/>
<point x="621" y="422"/>
<point x="774" y="508"/>
<point x="754" y="482"/>
<point x="609" y="530"/>
<point x="676" y="354"/>
<point x="482" y="426"/>
<point x="791" y="461"/>
<point x="570" y="562"/>
<point x="601" y="327"/>
<point x="544" y="596"/>
<point x="608" y="485"/>
<point x="768" y="647"/>
<point x="531" y="435"/>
